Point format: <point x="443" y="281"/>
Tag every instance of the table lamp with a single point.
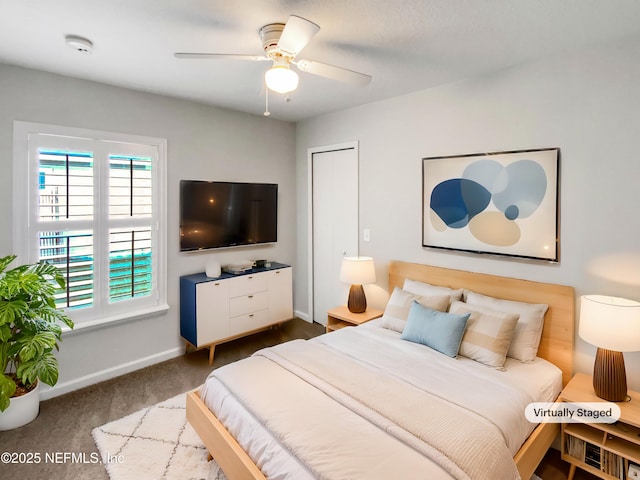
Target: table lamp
<point x="357" y="271"/>
<point x="613" y="325"/>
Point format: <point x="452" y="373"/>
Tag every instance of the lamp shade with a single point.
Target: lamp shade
<point x="281" y="79"/>
<point x="612" y="323"/>
<point x="357" y="270"/>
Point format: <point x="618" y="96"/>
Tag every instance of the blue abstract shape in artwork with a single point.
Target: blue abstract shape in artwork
<point x="525" y="189"/>
<point x="487" y="173"/>
<point x="458" y="200"/>
<point x="512" y="212"/>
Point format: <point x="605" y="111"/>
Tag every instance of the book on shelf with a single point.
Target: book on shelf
<point x="575" y="447"/>
<point x="613" y="465"/>
<point x="592" y="455"/>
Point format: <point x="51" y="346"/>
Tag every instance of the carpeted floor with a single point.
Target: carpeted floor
<point x="63" y="429"/>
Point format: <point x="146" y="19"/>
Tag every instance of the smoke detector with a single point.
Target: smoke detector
<point x="79" y="44"/>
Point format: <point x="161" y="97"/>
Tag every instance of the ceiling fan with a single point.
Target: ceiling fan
<point x="282" y="43"/>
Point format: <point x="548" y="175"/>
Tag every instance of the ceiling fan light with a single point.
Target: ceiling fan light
<point x="281" y="79"/>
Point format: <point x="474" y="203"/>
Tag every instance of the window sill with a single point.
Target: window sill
<point x="112" y="320"/>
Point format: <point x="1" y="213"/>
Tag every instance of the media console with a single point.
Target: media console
<point x="216" y="310"/>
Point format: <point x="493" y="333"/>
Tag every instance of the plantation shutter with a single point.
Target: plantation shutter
<point x="65" y="217"/>
<point x="130" y="249"/>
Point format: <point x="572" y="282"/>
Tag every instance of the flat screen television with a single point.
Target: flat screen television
<point x="227" y="214"/>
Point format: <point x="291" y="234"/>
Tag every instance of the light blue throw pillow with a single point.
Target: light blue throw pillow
<point x="441" y="331"/>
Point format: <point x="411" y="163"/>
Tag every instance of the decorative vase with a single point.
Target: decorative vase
<point x="213" y="269"/>
<point x="22" y="410"/>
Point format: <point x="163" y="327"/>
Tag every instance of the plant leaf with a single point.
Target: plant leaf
<point x="35" y="345"/>
<point x="10" y="310"/>
<point x="7" y="389"/>
<point x="5" y="333"/>
<point x="44" y="367"/>
<point x="5" y="261"/>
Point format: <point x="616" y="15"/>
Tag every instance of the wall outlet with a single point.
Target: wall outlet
<point x="634" y="472"/>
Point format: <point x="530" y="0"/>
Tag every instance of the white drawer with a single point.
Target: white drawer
<point x="250" y="321"/>
<point x="247" y="284"/>
<point x="248" y="303"/>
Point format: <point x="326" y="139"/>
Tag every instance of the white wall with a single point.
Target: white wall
<point x="203" y="143"/>
<point x="587" y="104"/>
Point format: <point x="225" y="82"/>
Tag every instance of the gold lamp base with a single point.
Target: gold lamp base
<point x="357" y="301"/>
<point x="609" y="375"/>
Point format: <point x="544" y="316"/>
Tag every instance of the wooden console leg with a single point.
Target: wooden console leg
<point x="186" y="347"/>
<point x="572" y="472"/>
<point x="212" y="349"/>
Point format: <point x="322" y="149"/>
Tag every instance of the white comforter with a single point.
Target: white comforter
<point x="418" y="413"/>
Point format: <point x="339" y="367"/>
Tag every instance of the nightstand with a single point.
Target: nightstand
<point x="340" y="317"/>
<point x="602" y="449"/>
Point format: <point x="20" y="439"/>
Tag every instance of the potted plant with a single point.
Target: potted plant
<point x="30" y="328"/>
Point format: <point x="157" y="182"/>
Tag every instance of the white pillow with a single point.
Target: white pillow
<point x="425" y="290"/>
<point x="397" y="309"/>
<point x="526" y="339"/>
<point x="488" y="334"/>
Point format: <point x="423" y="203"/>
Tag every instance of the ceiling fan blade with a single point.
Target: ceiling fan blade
<point x="217" y="56"/>
<point x="297" y="33"/>
<point x="334" y="73"/>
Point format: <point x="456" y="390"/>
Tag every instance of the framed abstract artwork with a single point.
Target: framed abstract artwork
<point x="503" y="203"/>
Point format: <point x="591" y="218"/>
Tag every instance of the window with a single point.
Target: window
<point x="92" y="203"/>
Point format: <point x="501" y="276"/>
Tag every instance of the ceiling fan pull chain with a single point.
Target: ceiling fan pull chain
<point x="266" y="106"/>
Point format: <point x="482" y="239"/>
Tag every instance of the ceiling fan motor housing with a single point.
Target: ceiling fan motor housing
<point x="270" y="35"/>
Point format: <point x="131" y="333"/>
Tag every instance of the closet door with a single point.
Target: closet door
<point x="334" y="224"/>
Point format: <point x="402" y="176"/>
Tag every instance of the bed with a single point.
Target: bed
<point x="358" y="404"/>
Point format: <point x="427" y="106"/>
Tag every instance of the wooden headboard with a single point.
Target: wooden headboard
<point x="556" y="344"/>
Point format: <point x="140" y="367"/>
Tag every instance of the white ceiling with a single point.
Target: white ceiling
<point x="406" y="45"/>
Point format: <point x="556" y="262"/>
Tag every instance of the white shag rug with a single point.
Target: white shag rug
<point x="155" y="443"/>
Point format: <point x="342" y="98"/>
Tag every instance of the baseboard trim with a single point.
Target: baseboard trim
<point x="302" y="315"/>
<point x="48" y="392"/>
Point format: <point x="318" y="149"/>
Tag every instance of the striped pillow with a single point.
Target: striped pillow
<point x="488" y="334"/>
<point x="397" y="309"/>
<point x="526" y="338"/>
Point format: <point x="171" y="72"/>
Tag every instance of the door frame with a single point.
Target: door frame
<point x="353" y="145"/>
